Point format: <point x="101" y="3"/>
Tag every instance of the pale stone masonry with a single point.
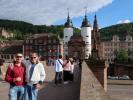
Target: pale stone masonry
<point x="90" y="88"/>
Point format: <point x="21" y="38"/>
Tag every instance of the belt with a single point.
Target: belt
<point x="31" y="84"/>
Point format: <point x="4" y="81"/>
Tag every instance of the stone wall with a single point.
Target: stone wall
<point x="91" y="89"/>
<point x="100" y="73"/>
<point x="121" y="70"/>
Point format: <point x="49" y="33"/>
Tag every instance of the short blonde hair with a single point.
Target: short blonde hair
<point x="18" y="54"/>
<point x="34" y="53"/>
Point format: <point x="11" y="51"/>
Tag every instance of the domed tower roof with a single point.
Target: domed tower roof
<point x="85" y="22"/>
<point x="69" y="22"/>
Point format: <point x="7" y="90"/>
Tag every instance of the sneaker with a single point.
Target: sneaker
<point x="66" y="82"/>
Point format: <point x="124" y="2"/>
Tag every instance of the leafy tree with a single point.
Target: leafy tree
<point x="122" y="56"/>
<point x="2" y="38"/>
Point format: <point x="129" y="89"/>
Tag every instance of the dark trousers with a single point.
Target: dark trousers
<point x="71" y="76"/>
<point x="66" y="75"/>
<point x="58" y="78"/>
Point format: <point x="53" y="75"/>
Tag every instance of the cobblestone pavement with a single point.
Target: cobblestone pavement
<point x="49" y="91"/>
<point x="63" y="92"/>
<point x="118" y="90"/>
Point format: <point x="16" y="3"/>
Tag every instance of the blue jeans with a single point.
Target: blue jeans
<point x="30" y="92"/>
<point x="58" y="77"/>
<point x="16" y="92"/>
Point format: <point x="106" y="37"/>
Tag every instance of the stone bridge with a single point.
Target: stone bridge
<point x="84" y="87"/>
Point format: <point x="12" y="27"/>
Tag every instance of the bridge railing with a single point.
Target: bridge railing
<point x="90" y="88"/>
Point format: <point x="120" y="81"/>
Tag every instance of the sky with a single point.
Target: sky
<point x="55" y="12"/>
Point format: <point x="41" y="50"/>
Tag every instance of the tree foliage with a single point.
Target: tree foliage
<point x="22" y="29"/>
<point x="122" y="56"/>
<point x="120" y="29"/>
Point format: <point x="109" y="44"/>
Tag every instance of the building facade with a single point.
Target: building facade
<point x="68" y="32"/>
<point x="48" y="46"/>
<point x="85" y="35"/>
<point x="9" y="49"/>
<point x="86" y="31"/>
<point x="109" y="48"/>
<point x="76" y="47"/>
<point x="5" y="33"/>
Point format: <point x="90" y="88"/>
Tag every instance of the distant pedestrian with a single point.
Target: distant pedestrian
<point x="72" y="69"/>
<point x="66" y="70"/>
<point x="26" y="61"/>
<point x="80" y="63"/>
<point x="15" y="75"/>
<point x="35" y="75"/>
<point x="58" y="70"/>
<point x="1" y="66"/>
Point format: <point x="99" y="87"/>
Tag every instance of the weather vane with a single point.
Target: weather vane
<point x="68" y="11"/>
<point x="85" y="10"/>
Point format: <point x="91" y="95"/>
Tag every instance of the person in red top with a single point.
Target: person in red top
<point x="15" y="76"/>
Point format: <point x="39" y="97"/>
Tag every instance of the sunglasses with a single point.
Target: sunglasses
<point x="32" y="57"/>
<point x="18" y="56"/>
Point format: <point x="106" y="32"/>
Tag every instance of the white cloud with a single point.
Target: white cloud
<point x="47" y="11"/>
<point x="123" y="21"/>
<point x="126" y="21"/>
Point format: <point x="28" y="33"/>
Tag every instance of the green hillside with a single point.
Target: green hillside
<point x="23" y="29"/>
<point x="119" y="29"/>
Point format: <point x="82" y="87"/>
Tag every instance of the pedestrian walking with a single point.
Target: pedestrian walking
<point x="80" y="63"/>
<point x="66" y="70"/>
<point x="58" y="70"/>
<point x="15" y="76"/>
<point x="72" y="70"/>
<point x="35" y="75"/>
<point x="1" y="69"/>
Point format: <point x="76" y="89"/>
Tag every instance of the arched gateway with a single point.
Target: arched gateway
<point x="76" y="47"/>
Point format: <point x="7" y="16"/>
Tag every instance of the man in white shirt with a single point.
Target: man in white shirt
<point x="58" y="70"/>
<point x="35" y="75"/>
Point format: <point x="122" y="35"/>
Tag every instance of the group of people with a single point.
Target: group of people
<point x="64" y="70"/>
<point x="25" y="78"/>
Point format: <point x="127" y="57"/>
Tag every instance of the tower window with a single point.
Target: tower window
<point x="87" y="36"/>
<point x="27" y="41"/>
<point x="66" y="36"/>
<point x="87" y="42"/>
<point x="54" y="40"/>
<point x="49" y="41"/>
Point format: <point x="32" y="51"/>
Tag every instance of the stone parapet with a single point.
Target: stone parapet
<point x="99" y="68"/>
<point x="91" y="89"/>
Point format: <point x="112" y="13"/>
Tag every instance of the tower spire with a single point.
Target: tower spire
<point x="68" y="12"/>
<point x="95" y="34"/>
<point x="85" y="11"/>
<point x="85" y="22"/>
<point x="95" y="40"/>
<point x="95" y="25"/>
<point x="69" y="21"/>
